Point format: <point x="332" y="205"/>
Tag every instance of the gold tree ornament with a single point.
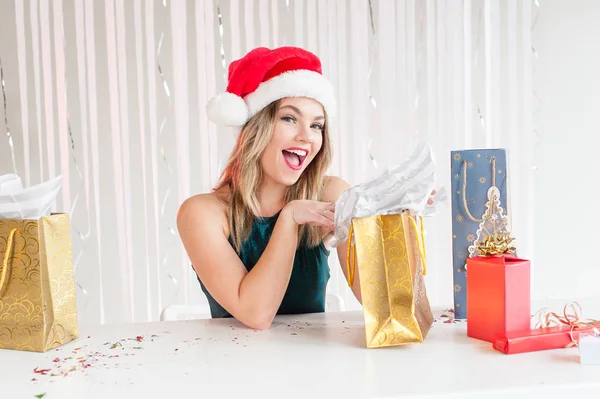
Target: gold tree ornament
<point x="493" y="236"/>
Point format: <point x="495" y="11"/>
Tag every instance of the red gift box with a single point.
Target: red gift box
<point x="498" y="296"/>
<point x="538" y="339"/>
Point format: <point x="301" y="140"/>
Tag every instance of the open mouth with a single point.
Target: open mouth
<point x="295" y="157"/>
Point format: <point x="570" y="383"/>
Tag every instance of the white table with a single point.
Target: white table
<point x="318" y="355"/>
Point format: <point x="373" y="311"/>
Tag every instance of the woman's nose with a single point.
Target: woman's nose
<point x="303" y="134"/>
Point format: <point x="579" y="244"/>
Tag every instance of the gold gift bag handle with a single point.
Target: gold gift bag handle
<point x="14" y="234"/>
<point x="351" y="258"/>
<point x="420" y="241"/>
<point x="464" y="187"/>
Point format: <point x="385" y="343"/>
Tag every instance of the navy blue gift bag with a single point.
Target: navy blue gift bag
<point x="473" y="173"/>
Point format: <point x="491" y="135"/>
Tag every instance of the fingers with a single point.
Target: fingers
<point x="325" y="216"/>
<point x="321" y="220"/>
<point x="430" y="201"/>
<point x="329" y="214"/>
<point x="326" y="209"/>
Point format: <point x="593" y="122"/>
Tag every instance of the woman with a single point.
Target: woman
<point x="256" y="241"/>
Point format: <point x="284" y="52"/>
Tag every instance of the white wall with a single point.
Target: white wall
<point x="567" y="79"/>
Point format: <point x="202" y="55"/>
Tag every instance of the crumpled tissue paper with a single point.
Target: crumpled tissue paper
<point x="407" y="186"/>
<point x="18" y="202"/>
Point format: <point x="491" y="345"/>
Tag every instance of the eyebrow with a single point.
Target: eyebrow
<point x="295" y="109"/>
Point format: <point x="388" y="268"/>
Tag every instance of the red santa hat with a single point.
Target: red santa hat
<point x="263" y="76"/>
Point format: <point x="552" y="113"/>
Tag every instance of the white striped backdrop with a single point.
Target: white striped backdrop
<point x="111" y="95"/>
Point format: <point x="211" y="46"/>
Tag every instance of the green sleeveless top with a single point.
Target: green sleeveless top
<point x="306" y="290"/>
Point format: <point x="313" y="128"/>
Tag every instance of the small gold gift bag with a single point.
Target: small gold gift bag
<point x="389" y="253"/>
<point x="38" y="309"/>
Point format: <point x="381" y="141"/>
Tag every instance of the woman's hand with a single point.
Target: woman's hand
<point x="314" y="213"/>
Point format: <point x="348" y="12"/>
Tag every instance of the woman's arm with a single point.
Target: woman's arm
<point x="251" y="297"/>
<point x="334" y="187"/>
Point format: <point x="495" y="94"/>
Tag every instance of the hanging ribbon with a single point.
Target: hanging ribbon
<point x="161" y="131"/>
<point x="476" y="64"/>
<point x="23" y="87"/>
<point x="536" y="96"/>
<point x="11" y="144"/>
<point x="419" y="73"/>
<point x="287" y="24"/>
<point x="233" y="131"/>
<point x="372" y="59"/>
<point x="82" y="236"/>
<point x="60" y="41"/>
<point x="221" y="42"/>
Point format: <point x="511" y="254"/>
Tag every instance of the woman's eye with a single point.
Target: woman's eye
<point x="317" y="126"/>
<point x="288" y="119"/>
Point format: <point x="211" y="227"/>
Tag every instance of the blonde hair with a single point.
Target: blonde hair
<point x="243" y="174"/>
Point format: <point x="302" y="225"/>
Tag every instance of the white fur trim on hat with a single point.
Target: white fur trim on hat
<point x="300" y="83"/>
<point x="227" y="109"/>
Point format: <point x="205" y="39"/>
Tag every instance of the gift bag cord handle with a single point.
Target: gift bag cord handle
<point x="464" y="187"/>
<point x="9" y="250"/>
<point x="421" y="241"/>
<point x="350" y="261"/>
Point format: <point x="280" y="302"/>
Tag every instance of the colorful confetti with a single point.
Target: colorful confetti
<point x="82" y="358"/>
<point x="448" y="317"/>
<point x="41" y="371"/>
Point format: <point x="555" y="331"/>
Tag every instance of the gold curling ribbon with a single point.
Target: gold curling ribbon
<point x="351" y="254"/>
<point x="9" y="250"/>
<point x="573" y="320"/>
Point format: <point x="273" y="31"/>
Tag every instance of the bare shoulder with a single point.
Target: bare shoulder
<point x="334" y="187"/>
<point x="207" y="209"/>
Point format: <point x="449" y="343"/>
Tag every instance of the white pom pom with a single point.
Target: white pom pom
<point x="227" y="109"/>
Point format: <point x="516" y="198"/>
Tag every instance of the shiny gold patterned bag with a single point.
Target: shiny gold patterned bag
<point x="38" y="309"/>
<point x="389" y="253"/>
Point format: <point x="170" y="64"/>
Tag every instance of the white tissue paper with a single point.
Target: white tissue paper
<point x="589" y="349"/>
<point x="18" y="202"/>
<point x="407" y="186"/>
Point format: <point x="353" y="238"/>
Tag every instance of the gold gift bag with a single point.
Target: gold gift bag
<point x="38" y="309"/>
<point x="388" y="251"/>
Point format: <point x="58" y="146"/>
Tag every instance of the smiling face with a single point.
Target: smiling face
<point x="297" y="139"/>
